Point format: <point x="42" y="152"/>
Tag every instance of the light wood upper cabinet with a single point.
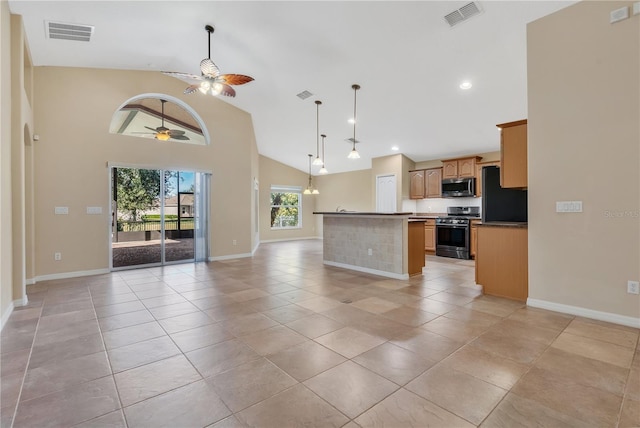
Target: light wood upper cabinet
<point x="417" y="184"/>
<point x="479" y="175"/>
<point x="513" y="154"/>
<point x="460" y="167"/>
<point x="433" y="179"/>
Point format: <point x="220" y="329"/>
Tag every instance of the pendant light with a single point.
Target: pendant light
<point x="310" y="190"/>
<point x="323" y="170"/>
<point x="318" y="159"/>
<point x="354" y="153"/>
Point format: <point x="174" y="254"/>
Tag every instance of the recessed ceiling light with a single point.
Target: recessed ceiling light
<point x="395" y="148"/>
<point x="351" y="120"/>
<point x="466" y="85"/>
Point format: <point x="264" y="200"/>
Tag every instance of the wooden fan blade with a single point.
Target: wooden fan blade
<point x="191" y="89"/>
<point x="227" y="90"/>
<point x="179" y="137"/>
<point x="208" y="68"/>
<point x="235" y="79"/>
<point x="153" y="129"/>
<point x="179" y="75"/>
<point x="173" y="132"/>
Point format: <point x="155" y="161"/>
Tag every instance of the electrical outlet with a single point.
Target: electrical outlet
<point x="370" y="252"/>
<point x="633" y="287"/>
<point x="235" y="242"/>
<point x="57" y="256"/>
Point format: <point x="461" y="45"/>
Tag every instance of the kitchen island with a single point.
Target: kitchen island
<point x="385" y="244"/>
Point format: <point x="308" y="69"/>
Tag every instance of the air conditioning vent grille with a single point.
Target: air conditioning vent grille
<point x="304" y="95"/>
<point x="462" y="14"/>
<point x="77" y="32"/>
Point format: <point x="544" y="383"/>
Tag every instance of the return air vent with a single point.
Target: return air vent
<point x="60" y="30"/>
<point x="304" y="95"/>
<point x="462" y="14"/>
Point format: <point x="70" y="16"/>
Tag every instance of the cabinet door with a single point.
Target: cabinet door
<point x="513" y="154"/>
<point x="417" y="184"/>
<point x="467" y="167"/>
<point x="450" y="169"/>
<point x="474" y="240"/>
<point x="434" y="183"/>
<point x="430" y="237"/>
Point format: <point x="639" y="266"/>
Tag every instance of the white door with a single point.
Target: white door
<point x="386" y="193"/>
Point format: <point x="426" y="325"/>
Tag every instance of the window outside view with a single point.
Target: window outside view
<point x="285" y="208"/>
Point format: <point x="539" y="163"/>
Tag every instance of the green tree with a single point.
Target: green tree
<point x="284" y="205"/>
<point x="138" y="190"/>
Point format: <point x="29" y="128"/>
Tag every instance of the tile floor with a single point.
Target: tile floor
<point x="270" y="342"/>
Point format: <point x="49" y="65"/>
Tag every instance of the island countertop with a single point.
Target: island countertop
<point x="360" y="213"/>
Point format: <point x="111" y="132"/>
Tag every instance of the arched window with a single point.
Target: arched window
<point x="159" y="116"/>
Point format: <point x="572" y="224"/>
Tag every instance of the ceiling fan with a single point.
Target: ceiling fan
<point x="163" y="133"/>
<point x="211" y="81"/>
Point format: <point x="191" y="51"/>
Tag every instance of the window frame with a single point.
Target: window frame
<point x="286" y="189"/>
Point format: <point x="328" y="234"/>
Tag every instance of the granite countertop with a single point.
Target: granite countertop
<point x="428" y="215"/>
<point x="522" y="224"/>
<point x="357" y="213"/>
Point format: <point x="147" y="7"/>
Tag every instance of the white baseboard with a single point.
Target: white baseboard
<point x="65" y="275"/>
<point x="229" y="257"/>
<point x="7" y="314"/>
<point x="266" y="241"/>
<point x="30" y="281"/>
<point x="584" y="312"/>
<point x="253" y="252"/>
<point x="367" y="270"/>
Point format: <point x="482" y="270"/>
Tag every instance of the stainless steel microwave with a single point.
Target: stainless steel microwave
<point x="459" y="187"/>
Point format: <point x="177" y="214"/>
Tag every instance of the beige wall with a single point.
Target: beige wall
<point x="73" y="110"/>
<point x="6" y="259"/>
<point x="275" y="173"/>
<point x="584" y="144"/>
<point x="486" y="157"/>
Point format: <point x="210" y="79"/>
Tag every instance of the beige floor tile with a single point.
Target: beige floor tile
<point x="16" y="362"/>
<point x="502" y="308"/>
<point x="630" y="415"/>
<point x="516" y="411"/>
<point x="185" y="322"/>
<point x="125" y="320"/>
<point x="220" y="357"/>
<point x="633" y="384"/>
<point x="153" y="379"/>
<point x="10" y="389"/>
<point x="319" y="304"/>
<point x="585" y="371"/>
<point x="596" y="349"/>
<point x="249" y="294"/>
<point x="173" y="310"/>
<point x="110" y="420"/>
<point x="306" y="360"/>
<point x="486" y="366"/>
<point x="349" y="342"/>
<point x="586" y="403"/>
<point x="314" y="325"/>
<point x="64" y="350"/>
<point x="342" y="387"/>
<point x="289" y="313"/>
<point x="477" y="317"/>
<point x="464" y="395"/>
<point x="405" y="409"/>
<point x="378" y="325"/>
<point x="230" y="422"/>
<point x="462" y="331"/>
<point x="392" y="362"/>
<point x="273" y="340"/>
<point x="119" y="308"/>
<point x="141" y="353"/>
<point x="452" y="298"/>
<point x="165" y="300"/>
<point x="433" y="306"/>
<point x="297" y="406"/>
<point x="111" y="299"/>
<point x="628" y="339"/>
<point x="375" y="305"/>
<point x="133" y="334"/>
<point x="247" y="324"/>
<point x="426" y="344"/>
<point x="70" y="406"/>
<point x="519" y="349"/>
<point x="412" y="317"/>
<point x="262" y="304"/>
<point x="541" y="318"/>
<point x="200" y="337"/>
<point x="250" y="383"/>
<point x="229" y="311"/>
<point x="517" y="329"/>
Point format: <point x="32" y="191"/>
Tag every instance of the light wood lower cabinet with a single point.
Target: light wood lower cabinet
<point x="474" y="238"/>
<point x="430" y="235"/>
<point x="416" y="245"/>
<point x="502" y="261"/>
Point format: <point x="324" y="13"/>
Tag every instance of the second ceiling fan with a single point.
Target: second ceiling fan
<point x="163" y="133"/>
<point x="211" y="81"/>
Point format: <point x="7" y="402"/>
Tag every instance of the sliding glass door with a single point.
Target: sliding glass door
<point x="157" y="216"/>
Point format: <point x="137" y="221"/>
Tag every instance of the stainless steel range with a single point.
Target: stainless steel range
<point x="453" y="232"/>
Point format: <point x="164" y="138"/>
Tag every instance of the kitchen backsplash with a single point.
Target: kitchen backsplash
<point x="438" y="205"/>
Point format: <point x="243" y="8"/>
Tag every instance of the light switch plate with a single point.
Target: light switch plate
<point x="636" y="8"/>
<point x="94" y="210"/>
<point x="618" y="15"/>
<point x="569" y="206"/>
<point x="62" y="210"/>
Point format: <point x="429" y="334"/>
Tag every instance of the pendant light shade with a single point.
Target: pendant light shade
<point x="318" y="159"/>
<point x="310" y="190"/>
<point x="323" y="170"/>
<point x="354" y="153"/>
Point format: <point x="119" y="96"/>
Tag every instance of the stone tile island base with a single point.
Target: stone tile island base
<point x="376" y="243"/>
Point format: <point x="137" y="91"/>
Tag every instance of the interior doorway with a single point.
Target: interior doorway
<point x="386" y="193"/>
<point x="158" y="217"/>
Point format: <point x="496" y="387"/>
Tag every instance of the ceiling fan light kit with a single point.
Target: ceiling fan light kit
<point x="163" y="133"/>
<point x="211" y="81"/>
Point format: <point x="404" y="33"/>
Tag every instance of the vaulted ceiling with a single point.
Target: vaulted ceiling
<point x="407" y="59"/>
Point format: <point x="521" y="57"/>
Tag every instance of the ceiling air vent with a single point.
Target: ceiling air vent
<point x="304" y="95"/>
<point x="60" y="30"/>
<point x="462" y="14"/>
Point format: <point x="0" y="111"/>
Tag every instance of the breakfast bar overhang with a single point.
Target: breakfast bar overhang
<point x="385" y="244"/>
